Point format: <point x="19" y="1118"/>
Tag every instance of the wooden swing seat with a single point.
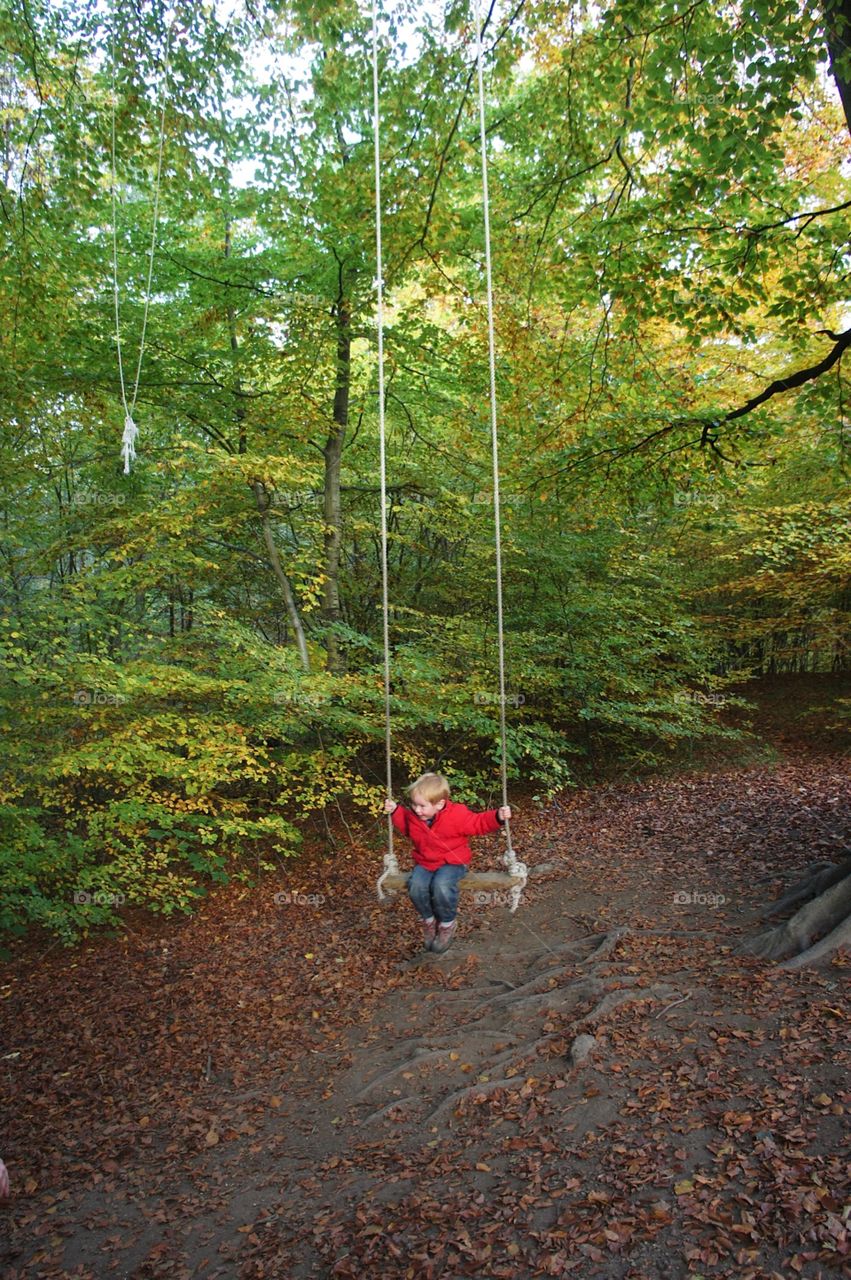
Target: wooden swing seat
<point x="483" y="881"/>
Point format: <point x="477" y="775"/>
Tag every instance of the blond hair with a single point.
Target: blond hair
<point x="433" y="788"/>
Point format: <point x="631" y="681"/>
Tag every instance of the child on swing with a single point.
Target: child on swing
<point x="440" y="830"/>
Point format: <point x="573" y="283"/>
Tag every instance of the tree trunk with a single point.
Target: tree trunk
<point x="818" y="928"/>
<point x="837" y="14"/>
<point x="261" y="495"/>
<point x="239" y="407"/>
<point x="263" y="503"/>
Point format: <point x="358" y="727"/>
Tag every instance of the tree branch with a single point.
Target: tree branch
<point x="797" y="379"/>
<point x="226" y="284"/>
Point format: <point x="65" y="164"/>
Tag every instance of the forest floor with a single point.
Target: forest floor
<point x="290" y="1089"/>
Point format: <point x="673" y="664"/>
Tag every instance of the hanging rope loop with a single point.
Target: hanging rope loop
<point x="131" y="431"/>
<point x="128" y="443"/>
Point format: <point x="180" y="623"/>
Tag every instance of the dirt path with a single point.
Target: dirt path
<point x="247" y="1095"/>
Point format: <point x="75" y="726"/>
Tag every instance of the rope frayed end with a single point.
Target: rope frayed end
<point x="391" y="868"/>
<point x="515" y="868"/>
<point x="128" y="443"/>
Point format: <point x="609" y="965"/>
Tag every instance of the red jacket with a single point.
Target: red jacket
<point x="447" y="839"/>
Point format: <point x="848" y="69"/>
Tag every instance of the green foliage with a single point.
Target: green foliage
<point x="669" y="219"/>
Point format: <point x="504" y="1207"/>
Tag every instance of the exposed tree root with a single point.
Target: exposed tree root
<point x="489" y="1086"/>
<point x="566" y="948"/>
<point x="514" y="1057"/>
<point x="818" y="877"/>
<point x="566" y="997"/>
<point x="811" y="870"/>
<point x="608" y="943"/>
<point x="607" y="940"/>
<point x="838" y="937"/>
<point x="428" y="1041"/>
<point x="567" y="952"/>
<point x="533" y="1046"/>
<point x="826" y="919"/>
<point x="415" y="1060"/>
<point x="519" y="1055"/>
<point x="583" y="1045"/>
<point x="562" y="994"/>
<point x="391" y="1106"/>
<point x="528" y="999"/>
<point x="670" y="933"/>
<point x="532" y="987"/>
<point x="617" y="998"/>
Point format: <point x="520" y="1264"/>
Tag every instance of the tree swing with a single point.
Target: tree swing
<point x="392" y="880"/>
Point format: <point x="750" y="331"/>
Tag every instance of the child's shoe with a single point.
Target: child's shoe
<point x="445" y="934"/>
<point x="429" y="932"/>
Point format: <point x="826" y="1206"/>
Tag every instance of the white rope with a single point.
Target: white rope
<point x="514" y="867"/>
<point x="128" y="439"/>
<point x="391" y="865"/>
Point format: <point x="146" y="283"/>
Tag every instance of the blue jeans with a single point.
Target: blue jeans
<point x="435" y="893"/>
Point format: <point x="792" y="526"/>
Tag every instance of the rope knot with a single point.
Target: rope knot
<point x="128" y="443"/>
